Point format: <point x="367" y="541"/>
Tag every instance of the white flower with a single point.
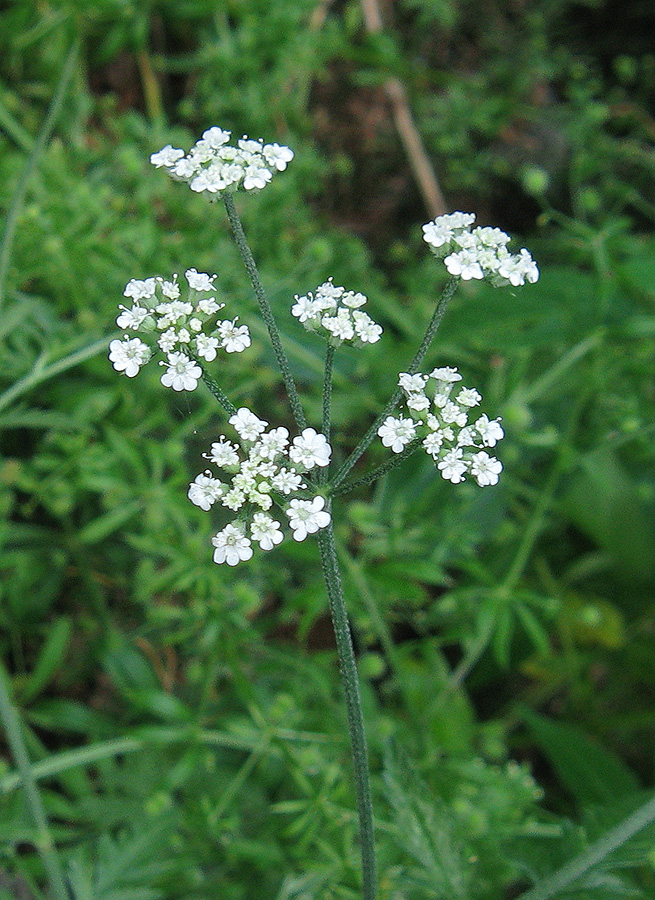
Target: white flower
<point x="256" y="177"/>
<point x="234" y="339"/>
<point x="519" y="269"/>
<point x="206" y="347"/>
<point x="172" y="311"/>
<point x="170" y="289"/>
<point x="232" y="546"/>
<point x="340" y="326"/>
<point x="418" y="402"/>
<point x="366" y="329"/>
<point x="452" y="414"/>
<point x="442" y="230"/>
<point x="306" y="517"/>
<point x="306" y="308"/>
<point x="234" y="498"/>
<point x="310" y="449"/>
<point x="167" y="340"/>
<point x="432" y="443"/>
<point x="265" y="531"/>
<point x="205" y="490"/>
<point x="209" y="306"/>
<point x="490" y="431"/>
<point x="216" y="137"/>
<point x="412" y="384"/>
<point x="397" y="433"/>
<point x="277" y="156"/>
<point x="132" y="318"/>
<point x="199" y="281"/>
<point x="140" y="290"/>
<point x="353" y="299"/>
<point x="468" y="397"/>
<point x="446" y="374"/>
<point x="272" y="443"/>
<point x="465" y="264"/>
<point x="128" y="355"/>
<point x="452" y="466"/>
<point x="182" y="373"/>
<point x="485" y="469"/>
<point x="167" y="156"/>
<point x="224" y="453"/>
<point x="287" y="481"/>
<point x="247" y="425"/>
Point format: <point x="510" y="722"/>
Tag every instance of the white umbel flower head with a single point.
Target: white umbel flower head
<point x="479" y="252"/>
<point x="212" y="165"/>
<point x="335" y="313"/>
<point x="441" y="421"/>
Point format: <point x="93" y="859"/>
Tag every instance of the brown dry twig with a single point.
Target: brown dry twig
<point x="409" y="134"/>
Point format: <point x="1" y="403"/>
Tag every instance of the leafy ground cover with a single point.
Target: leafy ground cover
<point x="186" y="723"/>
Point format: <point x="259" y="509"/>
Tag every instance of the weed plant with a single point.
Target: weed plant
<point x="183" y="722"/>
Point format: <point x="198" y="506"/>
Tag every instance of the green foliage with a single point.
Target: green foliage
<point x="185" y="722"/>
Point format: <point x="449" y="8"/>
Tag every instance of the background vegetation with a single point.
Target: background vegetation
<point x="186" y="721"/>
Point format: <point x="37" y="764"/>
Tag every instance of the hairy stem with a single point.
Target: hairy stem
<point x="327" y="404"/>
<point x="413" y="367"/>
<point x="350" y="682"/>
<point x="43" y="841"/>
<point x="265" y="309"/>
<point x="381" y="470"/>
<point x="217" y="391"/>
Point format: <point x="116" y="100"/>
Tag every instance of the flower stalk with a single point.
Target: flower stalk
<point x="265" y="308"/>
<point x="350" y="681"/>
<point x="419" y="356"/>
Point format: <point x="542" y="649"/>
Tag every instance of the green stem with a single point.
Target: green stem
<point x="381" y="470"/>
<point x="39" y="145"/>
<point x="265" y="309"/>
<point x="419" y="356"/>
<point x="327" y="405"/>
<point x="43" y="842"/>
<point x="350" y="682"/>
<point x="218" y="392"/>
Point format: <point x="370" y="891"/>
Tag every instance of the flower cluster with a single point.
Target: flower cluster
<point x="336" y="313"/>
<point x="441" y="419"/>
<point x="212" y="165"/>
<point x="268" y="472"/>
<point x="184" y="330"/>
<point x="478" y="252"/>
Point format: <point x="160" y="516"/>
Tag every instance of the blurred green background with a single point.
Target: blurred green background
<point x="500" y="632"/>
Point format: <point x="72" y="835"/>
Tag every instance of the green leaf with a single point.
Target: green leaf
<point x="589" y="771"/>
<point x="49" y="660"/>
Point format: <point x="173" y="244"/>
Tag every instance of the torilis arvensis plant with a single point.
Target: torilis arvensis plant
<point x="272" y="483"/>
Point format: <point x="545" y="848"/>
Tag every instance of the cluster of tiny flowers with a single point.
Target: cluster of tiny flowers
<point x="184" y="330"/>
<point x="268" y="470"/>
<point x="212" y="165"/>
<point x="337" y="313"/>
<point x="441" y="418"/>
<point x="479" y="252"/>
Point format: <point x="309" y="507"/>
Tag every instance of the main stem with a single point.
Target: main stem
<point x="265" y="309"/>
<point x="44" y="842"/>
<point x="419" y="356"/>
<point x="350" y="681"/>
